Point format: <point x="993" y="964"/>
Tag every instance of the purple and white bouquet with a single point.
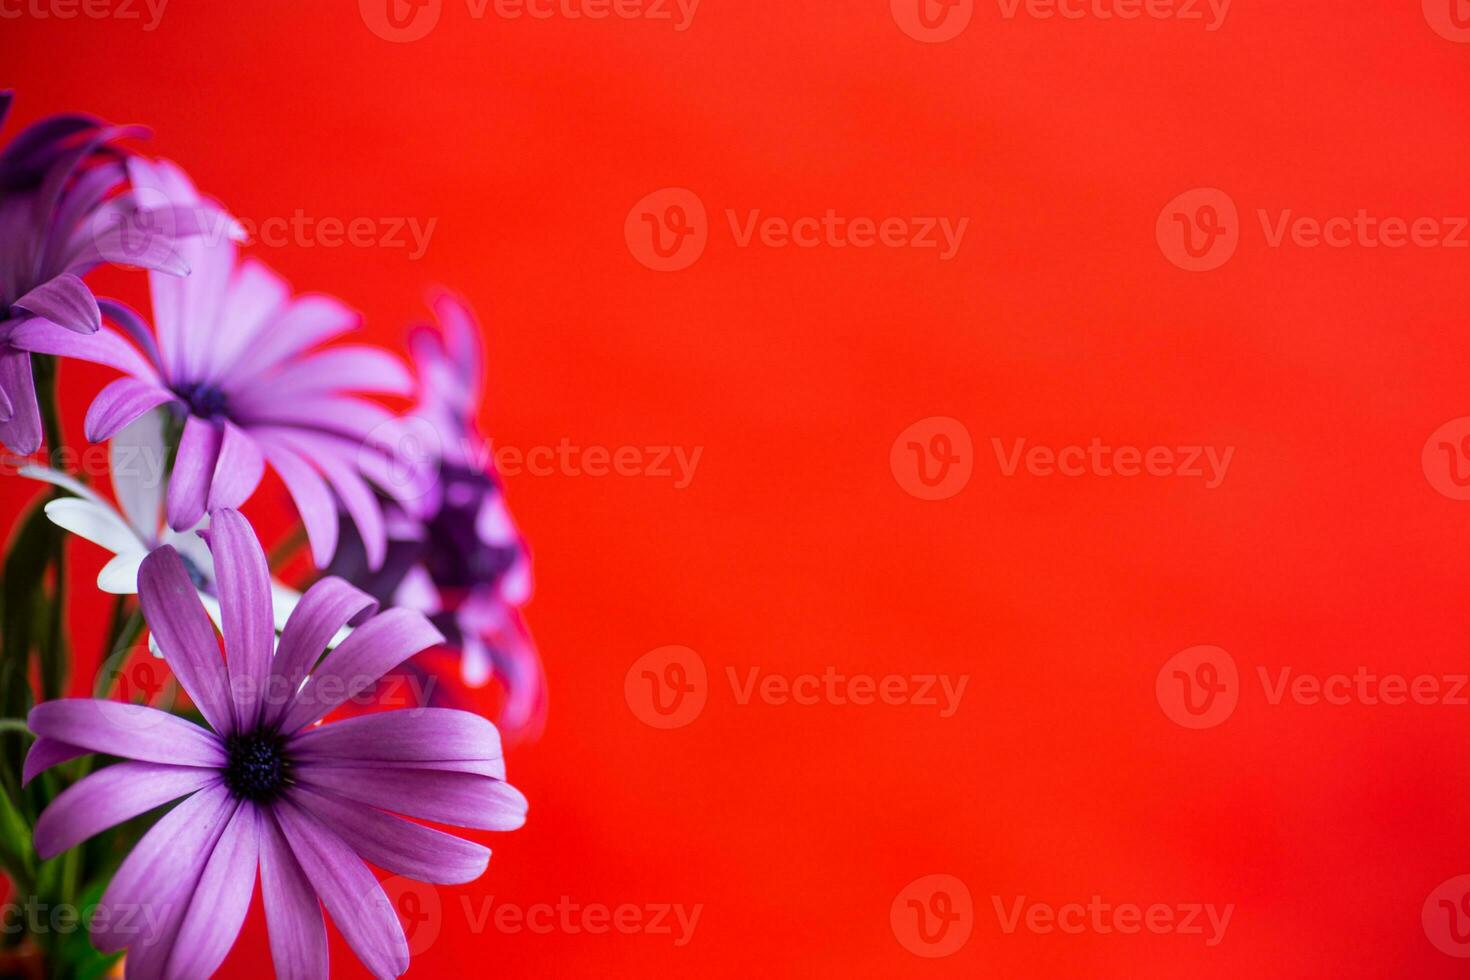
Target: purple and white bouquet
<point x="272" y="760"/>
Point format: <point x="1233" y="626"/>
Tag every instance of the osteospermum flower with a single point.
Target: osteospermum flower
<point x="230" y="356"/>
<point x="135" y="527"/>
<point x="266" y="787"/>
<point x="64" y="211"/>
<point x="457" y="555"/>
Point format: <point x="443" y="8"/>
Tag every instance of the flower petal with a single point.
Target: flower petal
<point x="48" y="752"/>
<point x="35" y="148"/>
<point x="203" y="293"/>
<point x="110" y="796"/>
<point x="244" y="587"/>
<point x="21" y="432"/>
<point x="520" y="673"/>
<point x="59" y="479"/>
<point x="306" y="322"/>
<point x="350" y="367"/>
<point x="362" y="506"/>
<point x="312" y="498"/>
<point x="404" y="469"/>
<point x="475" y="667"/>
<point x="255" y="296"/>
<point x="220" y="901"/>
<point x="137" y="463"/>
<point x="396" y="845"/>
<point x="129" y="731"/>
<point x="83" y="198"/>
<point x="188" y="487"/>
<point x="353" y="897"/>
<point x="56" y="161"/>
<point x="120" y="576"/>
<point x="239" y="470"/>
<point x="494" y="768"/>
<point x="184" y="633"/>
<point x="121" y="403"/>
<point x="104" y="347"/>
<point x="65" y="300"/>
<point x="419" y="735"/>
<point x="355" y="418"/>
<point x="161" y="182"/>
<point x="326" y="607"/>
<point x="460" y="347"/>
<point x="159" y="879"/>
<point x="98" y="523"/>
<point x="283" y="604"/>
<point x="137" y="331"/>
<point x="293" y="914"/>
<point x="373" y="649"/>
<point x="119" y="239"/>
<point x="460" y="799"/>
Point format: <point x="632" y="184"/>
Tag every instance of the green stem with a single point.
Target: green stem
<point x="287" y="547"/>
<point x="173" y="434"/>
<point x="71" y="875"/>
<point x="24" y="620"/>
<point x="121" y="636"/>
<point x="44" y="367"/>
<point x="53" y="671"/>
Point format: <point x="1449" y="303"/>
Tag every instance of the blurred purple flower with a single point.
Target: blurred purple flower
<point x="267" y="787"/>
<point x="230" y="354"/>
<point x="63" y="212"/>
<point x="455" y="554"/>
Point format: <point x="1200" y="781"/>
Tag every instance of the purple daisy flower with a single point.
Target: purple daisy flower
<point x="267" y="788"/>
<point x="231" y="355"/>
<point x="64" y="211"/>
<point x="457" y="556"/>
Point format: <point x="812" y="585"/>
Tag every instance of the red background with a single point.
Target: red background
<point x="794" y="547"/>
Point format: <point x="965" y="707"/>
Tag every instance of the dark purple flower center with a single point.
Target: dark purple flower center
<point x="196" y="574"/>
<point x="256" y="767"/>
<point x="205" y="400"/>
<point x="456" y="556"/>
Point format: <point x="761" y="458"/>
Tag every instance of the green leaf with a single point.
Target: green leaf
<point x="15" y="843"/>
<point x="23" y="623"/>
